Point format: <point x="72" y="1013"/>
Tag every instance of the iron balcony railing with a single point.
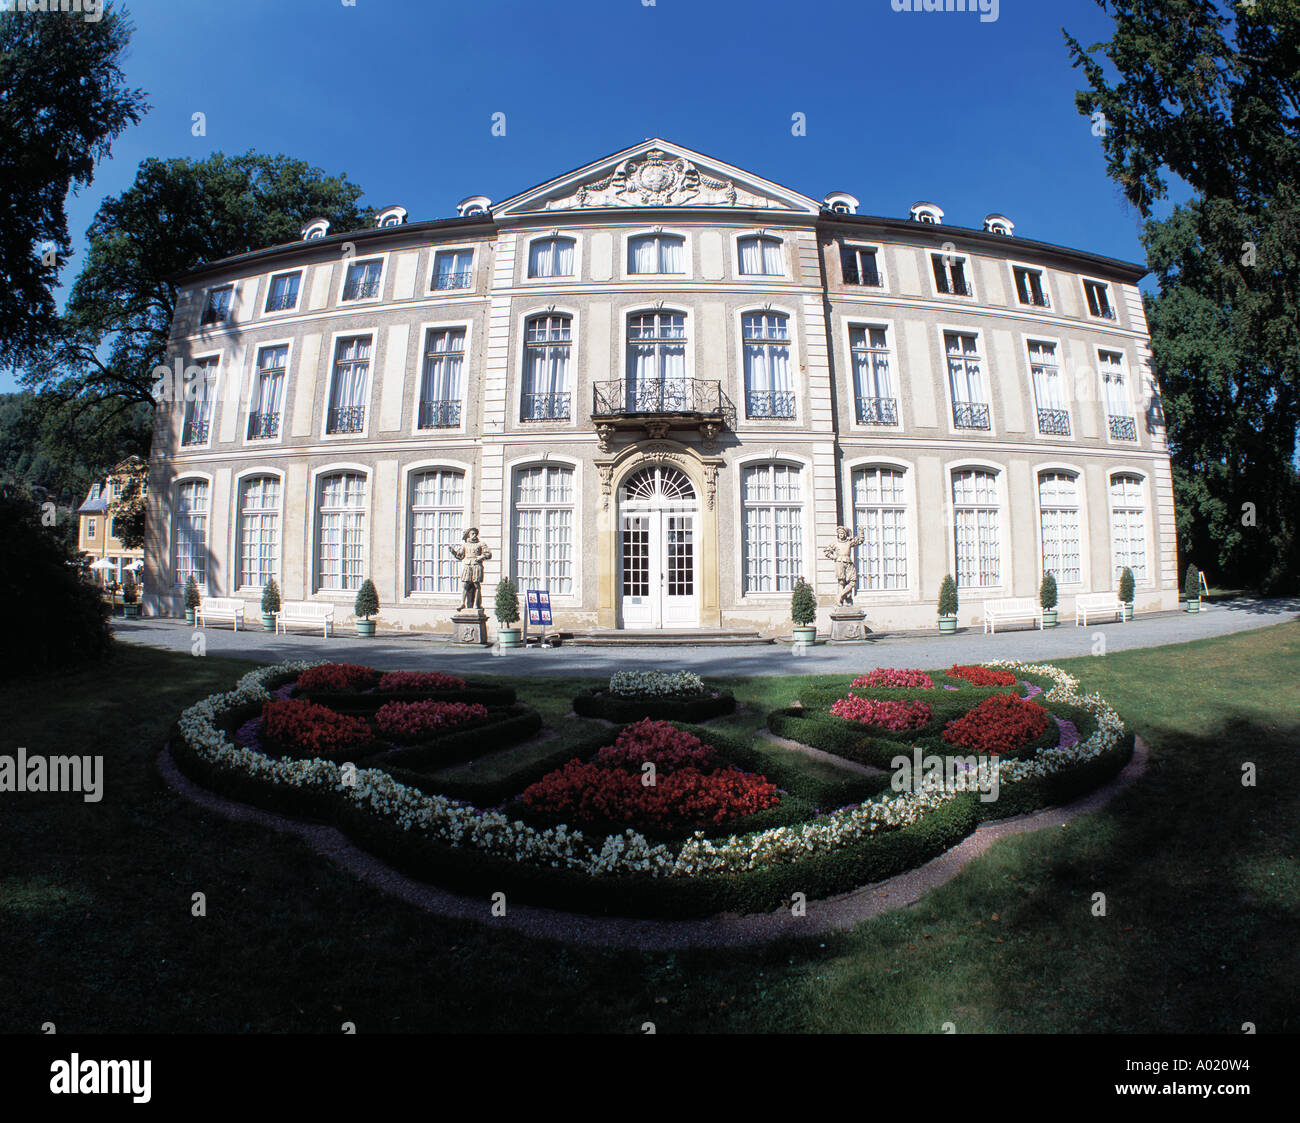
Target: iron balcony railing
<point x="441" y="414"/>
<point x="1037" y="299"/>
<point x="1054" y="422"/>
<point x="361" y="290"/>
<point x="622" y="396"/>
<point x="347" y="419"/>
<point x="194" y="433"/>
<point x="279" y="302"/>
<point x="769" y="403"/>
<point x="214" y="316"/>
<point x="867" y="278"/>
<point x="956" y="288"/>
<point x="1123" y="428"/>
<point x="262" y="425"/>
<point x="545" y="407"/>
<point x="877" y="411"/>
<point x="451" y="281"/>
<point x="970" y="415"/>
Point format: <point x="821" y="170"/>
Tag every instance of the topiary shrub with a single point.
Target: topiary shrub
<point x="1047" y="592"/>
<point x="803" y="604"/>
<point x="367" y="602"/>
<point x="507" y="602"/>
<point x="130" y="592"/>
<point x="1126" y="586"/>
<point x="1192" y="583"/>
<point x="948" y="597"/>
<point x="271" y="598"/>
<point x="192" y="596"/>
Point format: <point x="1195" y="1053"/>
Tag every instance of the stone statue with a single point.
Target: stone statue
<point x="473" y="553"/>
<point x="841" y="553"/>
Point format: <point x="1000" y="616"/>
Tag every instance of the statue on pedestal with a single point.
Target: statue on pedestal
<point x="841" y="553"/>
<point x="473" y="554"/>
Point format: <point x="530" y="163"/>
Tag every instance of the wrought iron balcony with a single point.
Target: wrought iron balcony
<point x="1037" y="299"/>
<point x="970" y="415"/>
<point x="443" y="414"/>
<point x="877" y="411"/>
<point x="451" y="280"/>
<point x="867" y="279"/>
<point x="280" y="302"/>
<point x="1054" y="422"/>
<point x="626" y="397"/>
<point x="545" y="407"/>
<point x="263" y="425"/>
<point x="956" y="288"/>
<point x="1123" y="428"/>
<point x="361" y="290"/>
<point x="348" y="419"/>
<point x="194" y="432"/>
<point x="214" y="316"/>
<point x="769" y="403"/>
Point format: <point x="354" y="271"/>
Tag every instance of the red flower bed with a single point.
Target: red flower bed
<point x="668" y="747"/>
<point x="300" y="724"/>
<point x="997" y="725"/>
<point x="335" y="677"/>
<point x="984" y="676"/>
<point x="396" y="681"/>
<point x="893" y="678"/>
<point x="409" y="719"/>
<point x="894" y="716"/>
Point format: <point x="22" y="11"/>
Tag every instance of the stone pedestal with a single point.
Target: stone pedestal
<point x="470" y="628"/>
<point x="848" y="625"/>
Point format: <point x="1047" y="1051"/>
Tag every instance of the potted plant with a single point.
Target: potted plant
<point x="1126" y="593"/>
<point x="1192" y="589"/>
<point x="130" y="597"/>
<point x="507" y="613"/>
<point x="1047" y="598"/>
<point x="803" y="611"/>
<point x="192" y="598"/>
<point x="271" y="605"/>
<point x="948" y="606"/>
<point x="365" y="606"/>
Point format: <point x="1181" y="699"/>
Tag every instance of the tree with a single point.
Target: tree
<point x="367" y="600"/>
<point x="507" y="602"/>
<point x="1211" y="94"/>
<point x="803" y="604"/>
<point x="62" y="103"/>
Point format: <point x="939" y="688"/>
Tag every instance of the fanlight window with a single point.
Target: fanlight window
<point x="659" y="483"/>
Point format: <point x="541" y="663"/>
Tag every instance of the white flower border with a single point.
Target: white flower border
<point x="630" y="853"/>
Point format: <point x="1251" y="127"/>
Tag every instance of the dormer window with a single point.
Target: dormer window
<point x="316" y="228"/>
<point x="362" y="281"/>
<point x="283" y="294"/>
<point x="474" y="206"/>
<point x="999" y="224"/>
<point x="926" y="212"/>
<point x="391" y="216"/>
<point x="760" y="255"/>
<point x="840" y="202"/>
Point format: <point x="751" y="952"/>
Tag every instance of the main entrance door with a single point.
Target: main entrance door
<point x="658" y="574"/>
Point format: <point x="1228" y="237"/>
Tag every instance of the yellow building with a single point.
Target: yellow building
<point x="97" y="533"/>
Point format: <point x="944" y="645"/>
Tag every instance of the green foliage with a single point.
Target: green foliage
<point x="271" y="598"/>
<point x="1047" y="591"/>
<point x="129" y="507"/>
<point x="1126" y="586"/>
<point x="192" y="596"/>
<point x="613" y="707"/>
<point x="803" y="604"/>
<point x="507" y="602"/>
<point x="948" y="597"/>
<point x="130" y="591"/>
<point x="63" y="103"/>
<point x="367" y="602"/>
<point x="1192" y="583"/>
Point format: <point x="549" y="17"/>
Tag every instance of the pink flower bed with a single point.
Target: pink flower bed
<point x="894" y="716"/>
<point x="396" y="681"/>
<point x="410" y="719"/>
<point x="658" y="741"/>
<point x="893" y="677"/>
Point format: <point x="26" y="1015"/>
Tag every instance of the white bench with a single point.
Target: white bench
<point x="1098" y="604"/>
<point x="1011" y="608"/>
<point x="219" y="608"/>
<point x="314" y="614"/>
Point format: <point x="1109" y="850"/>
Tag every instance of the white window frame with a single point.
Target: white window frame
<point x="852" y="467"/>
<point x="431" y="271"/>
<point x="271" y="278"/>
<point x="254" y="380"/>
<point x="848" y="325"/>
<point x="968" y="272"/>
<point x="1042" y="272"/>
<point x="335" y="338"/>
<point x="178" y="581"/>
<point x="1144" y="483"/>
<point x="201" y="361"/>
<point x="807" y="566"/>
<point x="521" y="365"/>
<point x="981" y="339"/>
<point x="1106" y="415"/>
<point x="563" y="279"/>
<point x="783" y="243"/>
<point x="410" y="474"/>
<point x="687" y="272"/>
<point x="1062" y="386"/>
<point x="1081" y="506"/>
<point x="846" y="287"/>
<point x="237" y="535"/>
<point x="999" y="473"/>
<point x="318" y="478"/>
<point x="229" y="319"/>
<point x="421" y="343"/>
<point x="573" y="599"/>
<point x="381" y="260"/>
<point x="1084" y="282"/>
<point x="792" y="345"/>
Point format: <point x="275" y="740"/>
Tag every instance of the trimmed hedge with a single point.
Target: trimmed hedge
<point x="362" y="700"/>
<point x="467" y="741"/>
<point x="623" y="708"/>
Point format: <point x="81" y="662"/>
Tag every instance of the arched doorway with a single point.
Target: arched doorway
<point x="658" y="579"/>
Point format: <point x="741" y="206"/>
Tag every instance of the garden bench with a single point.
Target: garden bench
<point x="1011" y="608"/>
<point x="314" y="614"/>
<point x="1099" y="604"/>
<point x="219" y="608"/>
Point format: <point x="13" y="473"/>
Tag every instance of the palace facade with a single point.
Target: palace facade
<point x="657" y="385"/>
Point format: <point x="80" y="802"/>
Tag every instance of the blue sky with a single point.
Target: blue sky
<point x="975" y="116"/>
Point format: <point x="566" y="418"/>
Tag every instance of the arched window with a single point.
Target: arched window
<point x="341" y="531"/>
<point x="543" y="512"/>
<point x="547" y="342"/>
<point x="1058" y="509"/>
<point x="259" y="531"/>
<point x="437" y="512"/>
<point x="1128" y="524"/>
<point x="760" y="255"/>
<point x="768" y="392"/>
<point x="551" y="257"/>
<point x="656" y="253"/>
<point x="976" y="528"/>
<point x="190" y="532"/>
<point x="656" y="362"/>
<point x="772" y="527"/>
<point x="880" y="518"/>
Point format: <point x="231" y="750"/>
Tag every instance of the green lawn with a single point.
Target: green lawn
<point x="1200" y="874"/>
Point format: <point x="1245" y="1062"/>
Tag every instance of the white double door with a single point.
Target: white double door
<point x="658" y="572"/>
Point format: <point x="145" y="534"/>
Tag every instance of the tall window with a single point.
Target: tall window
<point x="1058" y="509"/>
<point x="873" y="387"/>
<point x="656" y="253"/>
<point x="656" y="362"/>
<point x="768" y="392"/>
<point x="880" y="517"/>
<point x="858" y="266"/>
<point x="1128" y="525"/>
<point x="268" y="391"/>
<point x="341" y="534"/>
<point x="551" y="257"/>
<point x="362" y="280"/>
<point x="1114" y="391"/>
<point x="760" y="255"/>
<point x="437" y="508"/>
<point x="970" y="408"/>
<point x="1049" y="393"/>
<point x="200" y="393"/>
<point x="259" y="531"/>
<point x="544" y="529"/>
<point x="1098" y="295"/>
<point x="452" y="269"/>
<point x="547" y="341"/>
<point x="950" y="274"/>
<point x="217" y="309"/>
<point x="772" y="527"/>
<point x="975" y="505"/>
<point x="444" y="353"/>
<point x="351" y="387"/>
<point x="1029" y="287"/>
<point x="190" y="532"/>
<point x="283" y="293"/>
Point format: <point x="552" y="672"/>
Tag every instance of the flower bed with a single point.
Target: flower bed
<point x="415" y="719"/>
<point x="412" y="681"/>
<point x="997" y="725"/>
<point x="983" y="676"/>
<point x="336" y="678"/>
<point x="893" y="678"/>
<point x="633" y="695"/>
<point x="894" y="716"/>
<point x="656" y="684"/>
<point x="297" y="726"/>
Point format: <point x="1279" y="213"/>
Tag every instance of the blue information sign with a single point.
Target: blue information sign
<point x="539" y="607"/>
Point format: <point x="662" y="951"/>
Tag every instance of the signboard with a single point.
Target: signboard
<point x="539" y="607"/>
